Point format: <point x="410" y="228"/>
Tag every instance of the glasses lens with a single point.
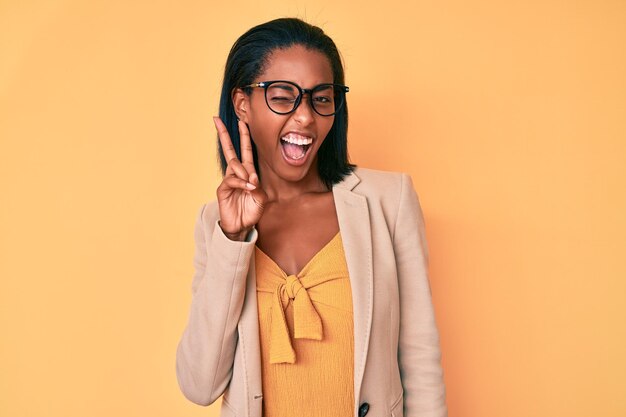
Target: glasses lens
<point x="281" y="96"/>
<point x="327" y="99"/>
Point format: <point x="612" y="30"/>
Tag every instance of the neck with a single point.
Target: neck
<point x="282" y="190"/>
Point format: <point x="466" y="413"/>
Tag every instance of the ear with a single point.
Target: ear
<point x="241" y="104"/>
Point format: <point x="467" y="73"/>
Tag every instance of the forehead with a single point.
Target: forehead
<point x="305" y="67"/>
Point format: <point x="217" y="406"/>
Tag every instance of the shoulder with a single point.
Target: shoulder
<point x="376" y="178"/>
<point x="379" y="184"/>
<point x="385" y="191"/>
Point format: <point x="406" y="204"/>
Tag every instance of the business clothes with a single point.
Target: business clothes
<point x="397" y="359"/>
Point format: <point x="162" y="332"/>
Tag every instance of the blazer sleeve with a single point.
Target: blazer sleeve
<point x="419" y="354"/>
<point x="206" y="350"/>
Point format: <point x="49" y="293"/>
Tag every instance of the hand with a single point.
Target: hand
<point x="240" y="198"/>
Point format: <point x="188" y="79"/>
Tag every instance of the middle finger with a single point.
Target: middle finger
<point x="245" y="143"/>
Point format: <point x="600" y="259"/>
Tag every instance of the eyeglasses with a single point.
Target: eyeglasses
<point x="284" y="97"/>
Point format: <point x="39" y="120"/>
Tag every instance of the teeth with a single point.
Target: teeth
<point x="297" y="139"/>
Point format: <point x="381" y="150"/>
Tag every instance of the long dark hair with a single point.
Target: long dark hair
<point x="247" y="59"/>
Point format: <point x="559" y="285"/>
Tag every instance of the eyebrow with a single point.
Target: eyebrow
<point x="283" y="86"/>
<point x="291" y="87"/>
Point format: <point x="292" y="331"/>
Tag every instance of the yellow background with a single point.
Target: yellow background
<point x="508" y="115"/>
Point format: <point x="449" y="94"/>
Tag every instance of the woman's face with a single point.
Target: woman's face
<point x="307" y="68"/>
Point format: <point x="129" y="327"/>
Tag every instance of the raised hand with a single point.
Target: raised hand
<point x="240" y="198"/>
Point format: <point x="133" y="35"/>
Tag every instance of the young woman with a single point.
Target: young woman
<point x="311" y="293"/>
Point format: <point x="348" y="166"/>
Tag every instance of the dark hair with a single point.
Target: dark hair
<point x="247" y="59"/>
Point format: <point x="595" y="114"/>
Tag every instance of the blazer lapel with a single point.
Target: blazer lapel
<point x="354" y="224"/>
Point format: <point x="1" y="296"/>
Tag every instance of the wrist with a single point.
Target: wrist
<point x="237" y="236"/>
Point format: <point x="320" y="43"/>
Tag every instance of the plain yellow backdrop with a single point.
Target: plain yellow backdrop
<point x="509" y="116"/>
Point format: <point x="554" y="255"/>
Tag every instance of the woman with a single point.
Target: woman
<point x="311" y="293"/>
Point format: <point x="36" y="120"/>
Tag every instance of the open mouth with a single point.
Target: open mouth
<point x="295" y="146"/>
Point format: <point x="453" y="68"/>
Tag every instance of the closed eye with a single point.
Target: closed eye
<point x="289" y="99"/>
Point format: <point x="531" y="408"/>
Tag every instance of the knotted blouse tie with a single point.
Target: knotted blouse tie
<point x="292" y="289"/>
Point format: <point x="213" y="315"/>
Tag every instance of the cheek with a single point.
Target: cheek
<point x="265" y="132"/>
<point x="263" y="125"/>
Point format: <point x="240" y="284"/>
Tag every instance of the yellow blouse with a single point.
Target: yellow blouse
<point x="306" y="334"/>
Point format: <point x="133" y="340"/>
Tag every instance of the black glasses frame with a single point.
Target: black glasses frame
<point x="301" y="91"/>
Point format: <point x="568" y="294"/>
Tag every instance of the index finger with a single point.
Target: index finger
<point x="245" y="143"/>
<point x="227" y="144"/>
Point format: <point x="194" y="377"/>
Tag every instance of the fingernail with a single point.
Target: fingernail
<point x="250" y="186"/>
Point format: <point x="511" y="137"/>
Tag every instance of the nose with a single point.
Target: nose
<point x="304" y="113"/>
